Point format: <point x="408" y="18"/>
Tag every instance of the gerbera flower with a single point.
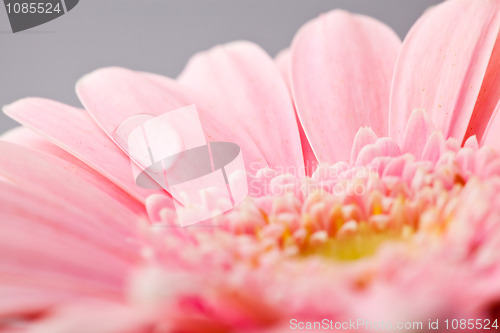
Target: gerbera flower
<point x="397" y="227"/>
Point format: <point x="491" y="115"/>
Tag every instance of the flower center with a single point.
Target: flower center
<point x="363" y="240"/>
<point x="347" y="225"/>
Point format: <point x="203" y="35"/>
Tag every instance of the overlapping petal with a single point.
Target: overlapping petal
<point x="284" y="62"/>
<point x="442" y="69"/>
<point x="113" y="95"/>
<point x="247" y="89"/>
<point x="80" y="137"/>
<point x="342" y="66"/>
<point x="66" y="183"/>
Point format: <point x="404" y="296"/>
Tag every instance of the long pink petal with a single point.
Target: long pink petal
<point x="245" y="86"/>
<point x="342" y="66"/>
<point x="112" y="95"/>
<point x="488" y="98"/>
<point x="54" y="250"/>
<point x="18" y="301"/>
<point x="284" y="62"/>
<point x="28" y="138"/>
<point x="39" y="172"/>
<point x="25" y="137"/>
<point x="442" y="65"/>
<point x="492" y="132"/>
<point x="74" y="131"/>
<point x="97" y="317"/>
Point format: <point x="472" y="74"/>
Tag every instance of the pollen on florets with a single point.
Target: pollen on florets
<point x="347" y="211"/>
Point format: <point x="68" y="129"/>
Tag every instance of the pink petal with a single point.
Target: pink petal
<point x="23" y="300"/>
<point x="442" y="65"/>
<point x="96" y="317"/>
<point x="72" y="252"/>
<point x="29" y="139"/>
<point x="155" y="206"/>
<point x="342" y="66"/>
<point x="26" y="137"/>
<point x="364" y="137"/>
<point x="492" y="132"/>
<point x="418" y="130"/>
<point x="112" y="95"/>
<point x="434" y="148"/>
<point x="75" y="132"/>
<point x="395" y="167"/>
<point x="39" y="172"/>
<point x="489" y="96"/>
<point x="57" y="253"/>
<point x="284" y="62"/>
<point x="245" y="86"/>
<point x="367" y="154"/>
<point x="388" y="147"/>
<point x="472" y="143"/>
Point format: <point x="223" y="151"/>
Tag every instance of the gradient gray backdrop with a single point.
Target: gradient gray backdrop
<point x="157" y="36"/>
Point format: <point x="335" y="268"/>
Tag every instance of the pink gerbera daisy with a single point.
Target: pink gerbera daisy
<point x="373" y="204"/>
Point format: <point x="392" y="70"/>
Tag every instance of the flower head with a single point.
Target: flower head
<point x="373" y="174"/>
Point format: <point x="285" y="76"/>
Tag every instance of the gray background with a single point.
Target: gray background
<point x="157" y="36"/>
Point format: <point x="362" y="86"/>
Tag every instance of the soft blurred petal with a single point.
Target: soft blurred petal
<point x="38" y="172"/>
<point x="56" y="250"/>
